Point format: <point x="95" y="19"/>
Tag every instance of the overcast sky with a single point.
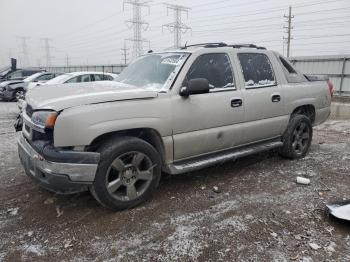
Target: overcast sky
<point x="93" y="31"/>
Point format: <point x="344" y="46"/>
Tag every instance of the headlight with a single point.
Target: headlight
<point x="45" y="119"/>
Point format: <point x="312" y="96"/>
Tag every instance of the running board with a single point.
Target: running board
<point x="184" y="166"/>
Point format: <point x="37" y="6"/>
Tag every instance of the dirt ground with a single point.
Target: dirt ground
<point x="260" y="214"/>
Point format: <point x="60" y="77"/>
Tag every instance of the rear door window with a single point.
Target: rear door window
<point x="100" y="77"/>
<point x="257" y="70"/>
<point x="85" y="78"/>
<point x="215" y="67"/>
<point x="107" y="77"/>
<point x="79" y="79"/>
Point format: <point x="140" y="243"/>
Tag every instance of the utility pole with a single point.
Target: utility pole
<point x="137" y="24"/>
<point x="47" y="47"/>
<point x="124" y="53"/>
<point x="67" y="60"/>
<point x="177" y="27"/>
<point x="289" y="29"/>
<point x="25" y="57"/>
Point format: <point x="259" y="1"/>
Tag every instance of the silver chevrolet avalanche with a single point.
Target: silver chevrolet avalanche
<point x="171" y="112"/>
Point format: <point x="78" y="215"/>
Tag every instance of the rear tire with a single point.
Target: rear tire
<point x="297" y="138"/>
<point x="128" y="173"/>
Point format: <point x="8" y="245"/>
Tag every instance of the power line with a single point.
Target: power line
<point x="137" y="24"/>
<point x="93" y="37"/>
<point x="177" y="27"/>
<point x="266" y="11"/>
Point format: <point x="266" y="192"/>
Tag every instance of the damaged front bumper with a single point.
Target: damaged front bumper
<point x="63" y="172"/>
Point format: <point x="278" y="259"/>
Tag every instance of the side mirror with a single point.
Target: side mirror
<point x="195" y="86"/>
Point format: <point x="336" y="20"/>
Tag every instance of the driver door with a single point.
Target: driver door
<point x="205" y="123"/>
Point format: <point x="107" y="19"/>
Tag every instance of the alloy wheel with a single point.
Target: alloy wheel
<point x="301" y="137"/>
<point x="129" y="176"/>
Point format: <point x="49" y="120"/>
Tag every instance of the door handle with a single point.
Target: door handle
<point x="236" y="102"/>
<point x="275" y="98"/>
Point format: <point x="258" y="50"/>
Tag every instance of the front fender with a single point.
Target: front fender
<point x="79" y="126"/>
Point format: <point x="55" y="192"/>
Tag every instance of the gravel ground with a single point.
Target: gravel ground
<point x="260" y="213"/>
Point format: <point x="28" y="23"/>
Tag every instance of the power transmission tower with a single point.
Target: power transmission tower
<point x="125" y="53"/>
<point x="289" y="29"/>
<point x="25" y="57"/>
<point x="47" y="48"/>
<point x="177" y="27"/>
<point x="137" y="24"/>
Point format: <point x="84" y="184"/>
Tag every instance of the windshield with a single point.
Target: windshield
<point x="32" y="77"/>
<point x="152" y="70"/>
<point x="59" y="79"/>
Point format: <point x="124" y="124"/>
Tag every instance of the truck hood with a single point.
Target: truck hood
<point x="62" y="96"/>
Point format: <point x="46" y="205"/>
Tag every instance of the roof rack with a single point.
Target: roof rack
<point x="221" y="44"/>
<point x="248" y="46"/>
<point x="206" y="45"/>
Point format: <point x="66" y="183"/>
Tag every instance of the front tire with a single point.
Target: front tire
<point x="18" y="94"/>
<point x="297" y="138"/>
<point x="128" y="173"/>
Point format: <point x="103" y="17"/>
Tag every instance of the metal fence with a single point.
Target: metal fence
<point x="336" y="67"/>
<point x="116" y="68"/>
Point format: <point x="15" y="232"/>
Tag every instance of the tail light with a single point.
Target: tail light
<point x="330" y="87"/>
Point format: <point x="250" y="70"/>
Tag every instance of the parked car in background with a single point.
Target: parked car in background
<point x="74" y="77"/>
<point x="38" y="79"/>
<point x="16" y="84"/>
<point x="78" y="77"/>
<point x="11" y="74"/>
<point x="173" y="112"/>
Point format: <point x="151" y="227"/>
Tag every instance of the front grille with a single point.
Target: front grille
<point x="29" y="110"/>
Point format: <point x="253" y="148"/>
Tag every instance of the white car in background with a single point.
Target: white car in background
<point x="74" y="77"/>
<point x="79" y="77"/>
<point x="38" y="79"/>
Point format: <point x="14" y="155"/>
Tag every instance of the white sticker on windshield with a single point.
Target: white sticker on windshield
<point x="172" y="60"/>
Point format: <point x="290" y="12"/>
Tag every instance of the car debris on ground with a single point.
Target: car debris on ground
<point x="303" y="180"/>
<point x="340" y="210"/>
